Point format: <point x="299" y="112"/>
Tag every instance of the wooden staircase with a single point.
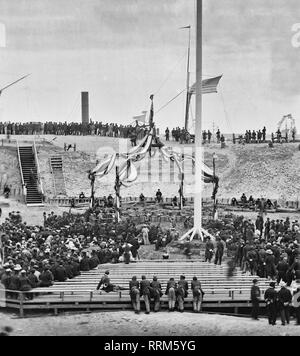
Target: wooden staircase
<point x="28" y="166"/>
<point x="56" y="164"/>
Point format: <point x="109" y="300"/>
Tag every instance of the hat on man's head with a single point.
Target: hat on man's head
<point x="272" y="284"/>
<point x="106" y="272"/>
<point x="18" y="268"/>
<point x="282" y="284"/>
<point x="255" y="280"/>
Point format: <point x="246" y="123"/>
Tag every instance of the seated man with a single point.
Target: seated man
<point x="142" y="198"/>
<point x="174" y="201"/>
<point x="81" y="197"/>
<point x="110" y="201"/>
<point x="244" y="199"/>
<point x="234" y="202"/>
<point x="269" y="204"/>
<point x="105" y="283"/>
<point x="251" y="200"/>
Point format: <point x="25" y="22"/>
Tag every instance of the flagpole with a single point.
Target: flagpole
<point x="197" y="230"/>
<point x="198" y="127"/>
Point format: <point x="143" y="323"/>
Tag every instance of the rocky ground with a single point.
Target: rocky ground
<point x="126" y="323"/>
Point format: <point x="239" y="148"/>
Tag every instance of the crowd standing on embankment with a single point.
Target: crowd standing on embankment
<point x="74" y="128"/>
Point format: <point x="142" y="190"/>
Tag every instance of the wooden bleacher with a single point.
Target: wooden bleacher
<point x="81" y="293"/>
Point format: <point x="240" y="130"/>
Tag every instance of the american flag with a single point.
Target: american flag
<point x="208" y="86"/>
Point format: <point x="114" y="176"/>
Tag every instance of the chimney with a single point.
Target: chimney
<point x="85" y="116"/>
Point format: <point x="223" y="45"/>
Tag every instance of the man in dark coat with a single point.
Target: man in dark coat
<point x="255" y="298"/>
<point x="219" y="251"/>
<point x="145" y="292"/>
<point x="46" y="277"/>
<point x="197" y="295"/>
<point x="69" y="269"/>
<point x="182" y="292"/>
<point x="284" y="301"/>
<point x="6" y="277"/>
<point x="209" y="250"/>
<point x="94" y="261"/>
<point x="60" y="274"/>
<point x="134" y="292"/>
<point x="282" y="269"/>
<point x="33" y="280"/>
<point x="75" y="268"/>
<point x="105" y="282"/>
<point x="271" y="303"/>
<point x="156" y="293"/>
<point x="85" y="263"/>
<point x="15" y="281"/>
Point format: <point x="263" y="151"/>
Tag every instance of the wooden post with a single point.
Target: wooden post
<point x="21" y="305"/>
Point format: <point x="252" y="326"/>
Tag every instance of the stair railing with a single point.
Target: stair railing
<point x="63" y="175"/>
<point x="40" y="183"/>
<point x="53" y="177"/>
<point x="24" y="189"/>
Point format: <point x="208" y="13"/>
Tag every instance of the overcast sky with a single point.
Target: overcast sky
<point x="121" y="51"/>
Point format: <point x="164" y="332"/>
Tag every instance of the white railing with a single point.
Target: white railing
<point x="40" y="183"/>
<point x="53" y="177"/>
<point x="24" y="190"/>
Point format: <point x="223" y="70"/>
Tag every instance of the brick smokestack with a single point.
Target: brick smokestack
<point x="85" y="116"/>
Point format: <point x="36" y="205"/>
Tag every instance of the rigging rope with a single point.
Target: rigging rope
<point x="170" y="101"/>
<point x="225" y="112"/>
<point x="74" y="108"/>
<point x="169" y="75"/>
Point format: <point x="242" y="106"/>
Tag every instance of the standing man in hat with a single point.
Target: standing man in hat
<point x="156" y="293"/>
<point x="209" y="250"/>
<point x="197" y="295"/>
<point x="134" y="291"/>
<point x="182" y="292"/>
<point x="271" y="303"/>
<point x="284" y="300"/>
<point x="145" y="292"/>
<point x="255" y="298"/>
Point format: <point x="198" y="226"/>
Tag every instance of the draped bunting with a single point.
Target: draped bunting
<point x="150" y="144"/>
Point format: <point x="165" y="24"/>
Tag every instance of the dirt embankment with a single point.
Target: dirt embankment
<point x="9" y="168"/>
<point x="251" y="169"/>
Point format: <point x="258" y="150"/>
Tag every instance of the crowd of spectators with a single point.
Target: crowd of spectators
<point x="183" y="136"/>
<point x="260" y="136"/>
<point x="267" y="248"/>
<point x="261" y="204"/>
<point x="36" y="256"/>
<point x="73" y="128"/>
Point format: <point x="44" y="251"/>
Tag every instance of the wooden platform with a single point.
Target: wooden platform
<point x="80" y="292"/>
